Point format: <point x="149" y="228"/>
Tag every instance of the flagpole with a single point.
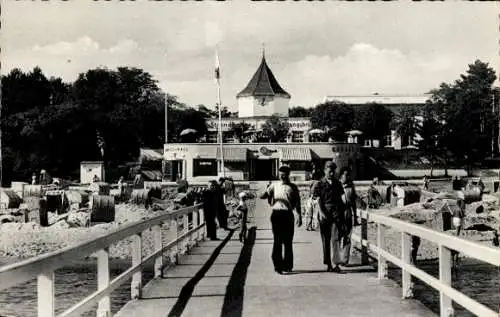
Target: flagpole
<point x="219" y="106"/>
<point x="166" y="118"/>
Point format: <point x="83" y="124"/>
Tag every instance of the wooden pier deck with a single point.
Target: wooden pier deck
<point x="226" y="278"/>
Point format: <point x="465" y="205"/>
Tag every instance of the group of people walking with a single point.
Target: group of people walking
<point x="335" y="201"/>
<point x="214" y="207"/>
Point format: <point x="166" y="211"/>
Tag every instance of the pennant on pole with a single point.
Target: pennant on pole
<point x="217" y="66"/>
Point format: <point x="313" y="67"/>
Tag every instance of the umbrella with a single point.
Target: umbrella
<point x="316" y="131"/>
<point x="251" y="130"/>
<point x="354" y="132"/>
<point x="188" y="131"/>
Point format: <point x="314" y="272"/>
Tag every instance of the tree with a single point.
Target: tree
<point x="373" y="120"/>
<point x="467" y="107"/>
<point x="53" y="125"/>
<point x="299" y="112"/>
<point x="238" y="129"/>
<point x="407" y="125"/>
<point x="225" y="113"/>
<point x="275" y="129"/>
<point x="431" y="133"/>
<point x="334" y="117"/>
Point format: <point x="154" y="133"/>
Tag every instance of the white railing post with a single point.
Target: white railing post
<point x="382" y="263"/>
<point x="195" y="225"/>
<point x="104" y="306"/>
<point x="46" y="294"/>
<point x="406" y="257"/>
<point x="173" y="234"/>
<point x="364" y="239"/>
<point x="185" y="244"/>
<point x="445" y="263"/>
<point x="158" y="245"/>
<point x="202" y="221"/>
<point x="136" y="287"/>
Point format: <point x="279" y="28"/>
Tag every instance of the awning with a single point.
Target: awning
<point x="207" y="152"/>
<point x="233" y="154"/>
<point x="151" y="155"/>
<point x="152" y="175"/>
<point x="324" y="153"/>
<point x="295" y="154"/>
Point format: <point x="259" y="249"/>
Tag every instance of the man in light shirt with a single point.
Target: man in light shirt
<point x="283" y="197"/>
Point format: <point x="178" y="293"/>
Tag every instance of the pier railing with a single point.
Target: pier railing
<point x="42" y="267"/>
<point x="445" y="242"/>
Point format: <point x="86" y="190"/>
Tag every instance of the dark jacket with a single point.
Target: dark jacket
<point x="330" y="198"/>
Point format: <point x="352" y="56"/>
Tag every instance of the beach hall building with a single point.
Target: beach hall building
<point x="250" y="156"/>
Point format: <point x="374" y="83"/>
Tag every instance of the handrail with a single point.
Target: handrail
<point x="445" y="242"/>
<point x="43" y="266"/>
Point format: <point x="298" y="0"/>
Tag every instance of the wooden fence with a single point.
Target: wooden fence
<point x="446" y="244"/>
<point x="42" y="267"/>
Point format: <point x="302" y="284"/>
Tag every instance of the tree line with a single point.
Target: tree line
<point x="110" y="114"/>
<point x="103" y="115"/>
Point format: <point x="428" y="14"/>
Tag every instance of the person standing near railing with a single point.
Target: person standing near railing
<point x="209" y="210"/>
<point x="220" y="205"/>
<point x="329" y="192"/>
<point x="350" y="215"/>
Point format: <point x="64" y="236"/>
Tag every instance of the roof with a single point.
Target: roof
<point x="295" y="154"/>
<point x="382" y="99"/>
<point x="263" y="83"/>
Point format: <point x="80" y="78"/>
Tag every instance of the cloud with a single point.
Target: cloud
<point x="366" y="69"/>
<point x="67" y="59"/>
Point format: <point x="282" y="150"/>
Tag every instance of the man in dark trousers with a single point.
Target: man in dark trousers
<point x="284" y="197"/>
<point x="350" y="213"/>
<point x="220" y="206"/>
<point x="209" y="211"/>
<point x="329" y="192"/>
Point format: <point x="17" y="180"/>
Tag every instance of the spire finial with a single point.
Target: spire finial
<point x="263" y="50"/>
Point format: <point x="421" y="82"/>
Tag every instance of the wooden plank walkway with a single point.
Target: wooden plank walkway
<point x="224" y="278"/>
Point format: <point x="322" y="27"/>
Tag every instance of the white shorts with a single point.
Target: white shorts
<point x="457" y="222"/>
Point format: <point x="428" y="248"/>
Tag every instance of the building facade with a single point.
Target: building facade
<point x="394" y="103"/>
<point x="246" y="158"/>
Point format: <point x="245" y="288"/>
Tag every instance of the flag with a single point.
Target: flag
<point x="217" y="67"/>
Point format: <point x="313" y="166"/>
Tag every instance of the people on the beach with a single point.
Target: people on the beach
<point x="182" y="184"/>
<point x="425" y="184"/>
<point x="350" y="213"/>
<point x="284" y="198"/>
<point x="457" y="220"/>
<point x="121" y="187"/>
<point x="330" y="192"/>
<point x="45" y="178"/>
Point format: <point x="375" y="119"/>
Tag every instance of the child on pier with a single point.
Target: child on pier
<point x="242" y="210"/>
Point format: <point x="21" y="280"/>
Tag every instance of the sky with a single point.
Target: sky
<point x="314" y="49"/>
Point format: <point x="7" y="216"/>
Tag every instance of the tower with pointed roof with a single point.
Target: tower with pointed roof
<point x="263" y="96"/>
